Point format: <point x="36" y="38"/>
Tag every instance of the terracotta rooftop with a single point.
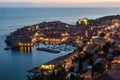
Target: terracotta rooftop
<point x="91" y="47"/>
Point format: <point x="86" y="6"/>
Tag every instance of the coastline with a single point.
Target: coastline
<point x="43" y="32"/>
<point x="25" y="61"/>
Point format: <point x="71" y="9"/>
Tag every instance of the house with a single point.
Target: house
<point x="92" y="48"/>
<point x="100" y="41"/>
<point x="112" y="49"/>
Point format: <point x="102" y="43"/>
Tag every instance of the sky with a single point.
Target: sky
<point x="59" y="3"/>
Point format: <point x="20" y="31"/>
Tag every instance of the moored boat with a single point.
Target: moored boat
<point x="48" y="50"/>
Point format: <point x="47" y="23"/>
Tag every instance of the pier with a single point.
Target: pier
<point x="55" y="63"/>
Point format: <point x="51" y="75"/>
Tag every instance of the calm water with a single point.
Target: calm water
<point x="14" y="64"/>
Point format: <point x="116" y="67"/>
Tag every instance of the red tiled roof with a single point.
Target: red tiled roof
<point x="91" y="47"/>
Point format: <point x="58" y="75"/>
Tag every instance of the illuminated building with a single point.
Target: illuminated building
<point x="47" y="67"/>
<point x="82" y="21"/>
<point x="37" y="27"/>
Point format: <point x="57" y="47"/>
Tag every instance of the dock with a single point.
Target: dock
<point x="57" y="62"/>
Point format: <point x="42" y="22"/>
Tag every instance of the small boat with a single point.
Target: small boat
<point x="7" y="48"/>
<point x="48" y="50"/>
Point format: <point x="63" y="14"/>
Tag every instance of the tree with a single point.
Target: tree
<point x="99" y="68"/>
<point x="106" y="47"/>
<point x="102" y="34"/>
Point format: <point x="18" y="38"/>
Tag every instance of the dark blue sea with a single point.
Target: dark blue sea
<point x="15" y="64"/>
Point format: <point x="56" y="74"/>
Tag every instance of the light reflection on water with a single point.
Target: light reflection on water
<point x="25" y="50"/>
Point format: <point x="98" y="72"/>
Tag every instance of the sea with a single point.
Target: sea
<point x="15" y="64"/>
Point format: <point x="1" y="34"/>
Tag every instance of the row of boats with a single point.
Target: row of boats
<point x="56" y="48"/>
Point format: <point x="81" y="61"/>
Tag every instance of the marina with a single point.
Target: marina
<point x="62" y="48"/>
<point x="48" y="50"/>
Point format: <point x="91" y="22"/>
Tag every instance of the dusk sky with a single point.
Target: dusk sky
<point x="59" y="3"/>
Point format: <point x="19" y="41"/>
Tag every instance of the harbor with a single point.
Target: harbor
<point x="55" y="64"/>
<point x="56" y="48"/>
<point x="78" y="46"/>
<point x="14" y="63"/>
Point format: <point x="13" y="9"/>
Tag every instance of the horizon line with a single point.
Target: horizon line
<point x="53" y="4"/>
